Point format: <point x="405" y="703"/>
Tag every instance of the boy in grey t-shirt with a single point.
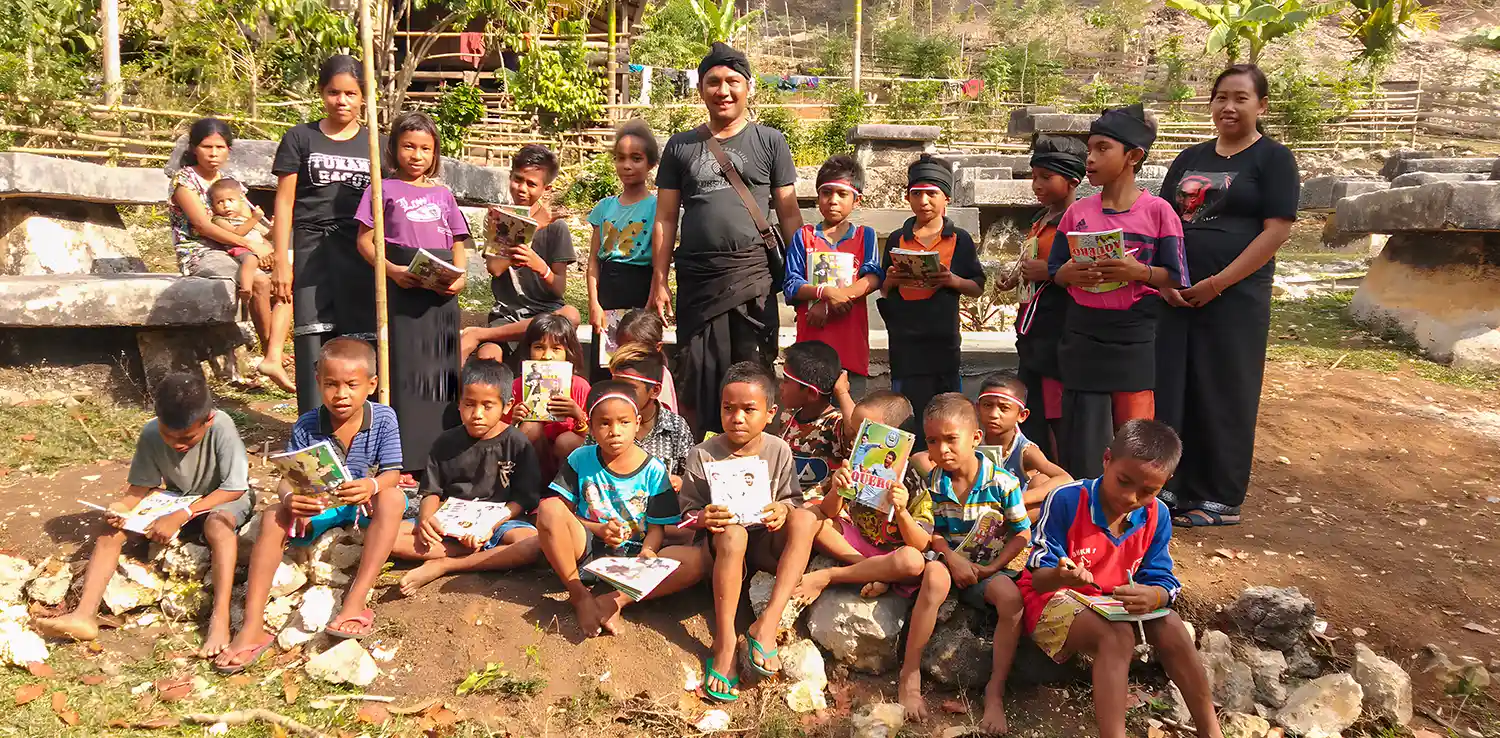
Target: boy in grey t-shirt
<point x="193" y="450"/>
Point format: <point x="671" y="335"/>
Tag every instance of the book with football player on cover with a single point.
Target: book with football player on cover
<point x="878" y="461"/>
<point x="540" y="382"/>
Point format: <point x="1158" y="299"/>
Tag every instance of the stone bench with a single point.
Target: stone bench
<point x="1322" y="194"/>
<point x="59" y="216"/>
<point x="1417" y="179"/>
<point x="1016" y="193"/>
<point x="1445" y="165"/>
<point x="1022" y="120"/>
<point x="1063" y="124"/>
<point x="1443" y="206"/>
<point x="886" y="221"/>
<point x="1392" y="162"/>
<point x="34" y="176"/>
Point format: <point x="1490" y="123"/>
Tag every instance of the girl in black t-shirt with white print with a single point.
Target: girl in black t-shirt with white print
<point x="1237" y="197"/>
<point x="322" y="169"/>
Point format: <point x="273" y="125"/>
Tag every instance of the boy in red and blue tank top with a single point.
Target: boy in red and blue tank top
<point x="831" y="267"/>
<point x="1109" y="536"/>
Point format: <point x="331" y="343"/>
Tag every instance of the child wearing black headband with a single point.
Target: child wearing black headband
<point x="921" y="310"/>
<point x="1113" y="251"/>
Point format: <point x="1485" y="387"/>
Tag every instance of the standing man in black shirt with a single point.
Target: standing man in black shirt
<point x="726" y="300"/>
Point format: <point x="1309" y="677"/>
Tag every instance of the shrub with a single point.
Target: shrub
<point x="458" y="108"/>
<point x="593" y="183"/>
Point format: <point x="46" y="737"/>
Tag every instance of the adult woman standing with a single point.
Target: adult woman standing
<point x="322" y="169"/>
<point x="201" y="243"/>
<point x="1237" y="196"/>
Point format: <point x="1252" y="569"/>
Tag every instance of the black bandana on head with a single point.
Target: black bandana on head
<point x="724" y="55"/>
<point x="930" y="171"/>
<point x="1060" y="154"/>
<point x="1127" y="125"/>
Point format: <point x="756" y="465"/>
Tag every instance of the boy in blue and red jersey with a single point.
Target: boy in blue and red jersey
<point x="1108" y="536"/>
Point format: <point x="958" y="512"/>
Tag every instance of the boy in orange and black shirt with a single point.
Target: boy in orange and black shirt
<point x="1057" y="167"/>
<point x="921" y="314"/>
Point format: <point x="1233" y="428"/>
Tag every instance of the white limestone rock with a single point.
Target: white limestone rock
<point x="346" y="663"/>
<point x="52" y="578"/>
<point x="1322" y="708"/>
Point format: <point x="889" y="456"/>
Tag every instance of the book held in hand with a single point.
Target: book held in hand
<point x="917" y="264"/>
<point x="985" y="539"/>
<point x="315" y="471"/>
<point x="743" y="485"/>
<point x="1026" y="290"/>
<point x="830" y="269"/>
<point x="507" y="226"/>
<point x="435" y="273"/>
<point x="145" y="512"/>
<point x="1089" y="247"/>
<point x="1112" y="609"/>
<point x="879" y="460"/>
<point x="609" y="346"/>
<point x="459" y="517"/>
<point x="540" y="382"/>
<point x="635" y="577"/>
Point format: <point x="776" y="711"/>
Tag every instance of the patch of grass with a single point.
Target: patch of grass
<point x="495" y="679"/>
<point x="41" y="439"/>
<point x="152" y="234"/>
<point x="591" y="706"/>
<point x="1319" y="331"/>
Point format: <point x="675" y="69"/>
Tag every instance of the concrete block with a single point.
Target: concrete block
<point x="1015" y="162"/>
<point x="1445" y="166"/>
<point x="1388" y="170"/>
<point x="249" y="162"/>
<point x="1323" y="193"/>
<point x="48" y="177"/>
<point x="141" y="300"/>
<point x="1443" y="206"/>
<point x="894" y="132"/>
<point x="1495" y="171"/>
<point x="887" y="220"/>
<point x="1150" y="185"/>
<point x="476" y="185"/>
<point x="40" y="236"/>
<point x="994" y="192"/>
<point x="1023" y="119"/>
<point x="1417" y="179"/>
<point x="1063" y="123"/>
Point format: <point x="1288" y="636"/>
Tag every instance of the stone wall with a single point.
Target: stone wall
<point x="1442" y="290"/>
<point x="60" y="237"/>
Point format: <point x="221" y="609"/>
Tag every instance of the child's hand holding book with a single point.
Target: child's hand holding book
<point x="1140" y="599"/>
<point x="306" y="504"/>
<point x="429" y="533"/>
<point x="563" y="407"/>
<point x="716" y="518"/>
<point x="356" y="491"/>
<point x="773" y="516"/>
<point x="1125" y="269"/>
<point x="164" y="529"/>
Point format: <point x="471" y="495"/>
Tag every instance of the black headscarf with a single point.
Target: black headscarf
<point x="1127" y="125"/>
<point x="930" y="171"/>
<point x="1062" y="154"/>
<point x="724" y="55"/>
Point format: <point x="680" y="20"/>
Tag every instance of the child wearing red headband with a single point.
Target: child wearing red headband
<point x="1002" y="410"/>
<point x="831" y="267"/>
<point x="814" y="398"/>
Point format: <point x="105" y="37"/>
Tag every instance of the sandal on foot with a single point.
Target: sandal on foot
<point x="255" y="653"/>
<point x="365" y="619"/>
<point x="1200" y="518"/>
<point x="755" y="649"/>
<point x="730" y="696"/>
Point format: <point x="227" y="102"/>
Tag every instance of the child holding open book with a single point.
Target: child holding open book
<point x="485" y="461"/>
<point x="1109" y="536"/>
<point x="424" y="249"/>
<point x="195" y="452"/>
<point x="1002" y="410"/>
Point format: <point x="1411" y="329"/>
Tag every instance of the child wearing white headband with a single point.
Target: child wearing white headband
<point x="1002" y="410"/>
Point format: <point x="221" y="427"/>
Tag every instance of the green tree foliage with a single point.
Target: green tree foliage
<point x="835" y="56"/>
<point x="1381" y="26"/>
<point x="458" y="108"/>
<point x="917" y="53"/>
<point x="45" y="48"/>
<point x="557" y="84"/>
<point x="672" y="36"/>
<point x="596" y="182"/>
<point x="1488" y="38"/>
<point x="720" y="22"/>
<point x="1028" y="72"/>
<point x="1305" y="101"/>
<point x="1256" y="23"/>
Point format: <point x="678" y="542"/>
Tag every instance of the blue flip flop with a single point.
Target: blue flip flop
<point x="732" y="695"/>
<point x="756" y="649"/>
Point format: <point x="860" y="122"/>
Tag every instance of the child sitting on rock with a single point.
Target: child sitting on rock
<point x="814" y="398"/>
<point x="1002" y="411"/>
<point x="193" y="451"/>
<point x="1109" y="536"/>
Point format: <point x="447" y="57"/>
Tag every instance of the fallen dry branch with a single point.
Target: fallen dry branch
<point x="244" y="717"/>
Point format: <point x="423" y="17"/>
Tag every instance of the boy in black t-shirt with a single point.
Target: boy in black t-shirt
<point x="488" y="460"/>
<point x="921" y="312"/>
<point x="530" y="280"/>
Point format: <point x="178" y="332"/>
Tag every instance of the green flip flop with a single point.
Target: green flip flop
<point x="757" y="650"/>
<point x="731" y="695"/>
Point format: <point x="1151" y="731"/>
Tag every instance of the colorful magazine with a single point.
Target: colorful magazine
<point x="507" y="226"/>
<point x="609" y="346"/>
<point x="458" y="517"/>
<point x="635" y="577"/>
<point x="986" y="538"/>
<point x="315" y="471"/>
<point x="145" y="512"/>
<point x="1112" y="609"/>
<point x="743" y="485"/>
<point x="878" y="462"/>
<point x="1089" y="247"/>
<point x="830" y="269"/>
<point x="540" y="382"/>
<point x="996" y="454"/>
<point x="918" y="264"/>
<point x="435" y="273"/>
<point x="1026" y="290"/>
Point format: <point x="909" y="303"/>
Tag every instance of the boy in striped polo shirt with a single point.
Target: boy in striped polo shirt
<point x="1109" y="536"/>
<point x="965" y="485"/>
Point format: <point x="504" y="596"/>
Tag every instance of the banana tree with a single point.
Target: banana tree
<point x="719" y="22"/>
<point x="1381" y="26"/>
<point x="1255" y="22"/>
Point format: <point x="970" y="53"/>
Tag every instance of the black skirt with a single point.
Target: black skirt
<point x="424" y="341"/>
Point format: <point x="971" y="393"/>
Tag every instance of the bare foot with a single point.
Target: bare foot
<point x="243" y="647"/>
<point x="874" y="589"/>
<point x="811" y="586"/>
<point x="419" y="577"/>
<point x="274" y="371"/>
<point x="74" y="626"/>
<point x="993" y="722"/>
<point x="587" y="611"/>
<point x="215" y="640"/>
<point x="609" y="613"/>
<point x="910" y="692"/>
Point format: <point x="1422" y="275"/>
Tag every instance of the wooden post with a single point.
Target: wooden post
<point x="1416" y="120"/>
<point x="612" y="64"/>
<point x="109" y="20"/>
<point x="377" y="212"/>
<point x="859" y="28"/>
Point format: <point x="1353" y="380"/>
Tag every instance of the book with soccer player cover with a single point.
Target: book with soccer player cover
<point x="1089" y="247"/>
<point x="434" y="272"/>
<point x="985" y="539"/>
<point x="458" y="517"/>
<point x="315" y="471"/>
<point x="507" y="226"/>
<point x="540" y="382"/>
<point x="879" y="460"/>
<point x="830" y="269"/>
<point x="145" y="512"/>
<point x="743" y="485"/>
<point x="1112" y="609"/>
<point x="918" y="264"/>
<point x="635" y="577"/>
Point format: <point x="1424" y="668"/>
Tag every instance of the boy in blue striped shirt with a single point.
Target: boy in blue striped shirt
<point x="367" y="436"/>
<point x="965" y="485"/>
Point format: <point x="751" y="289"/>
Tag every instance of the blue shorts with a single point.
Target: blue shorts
<point x="340" y="517"/>
<point x="973" y="595"/>
<point x="504" y="528"/>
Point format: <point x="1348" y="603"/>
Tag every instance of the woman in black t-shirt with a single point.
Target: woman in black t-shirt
<point x="322" y="169"/>
<point x="1237" y="196"/>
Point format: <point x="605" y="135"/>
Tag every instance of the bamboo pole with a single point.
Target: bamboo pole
<point x="612" y="64"/>
<point x="377" y="211"/>
<point x="109" y="12"/>
<point x="859" y="34"/>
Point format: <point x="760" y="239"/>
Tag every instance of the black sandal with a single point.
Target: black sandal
<point x="1200" y="518"/>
